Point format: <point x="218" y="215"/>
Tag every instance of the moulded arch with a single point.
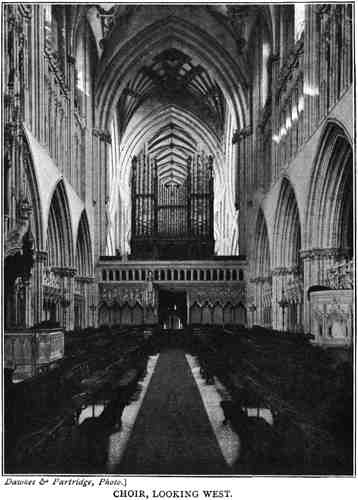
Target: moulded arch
<point x="331" y="190"/>
<point x="228" y="311"/>
<point x="262" y="254"/>
<point x="142" y="132"/>
<point x="84" y="255"/>
<point x="137" y="314"/>
<point x="195" y="313"/>
<point x="207" y="316"/>
<point x="171" y="32"/>
<point x="48" y="178"/>
<point x="59" y="238"/>
<point x="239" y="314"/>
<point x="218" y="314"/>
<point x="36" y="205"/>
<point x="287" y="228"/>
<point x="126" y="314"/>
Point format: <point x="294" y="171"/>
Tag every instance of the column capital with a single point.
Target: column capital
<point x="41" y="256"/>
<point x="239" y="134"/>
<point x="262" y="279"/>
<point x="85" y="279"/>
<point x="103" y="135"/>
<point x="64" y="271"/>
<point x="321" y="253"/>
<point x="280" y="271"/>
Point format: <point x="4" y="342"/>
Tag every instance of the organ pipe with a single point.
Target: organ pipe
<point x="171" y="208"/>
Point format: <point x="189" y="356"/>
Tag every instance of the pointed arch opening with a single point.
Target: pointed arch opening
<point x="262" y="248"/>
<point x="84" y="274"/>
<point x="262" y="273"/>
<point x="287" y="232"/>
<point x="288" y="265"/>
<point x="84" y="257"/>
<point x="59" y="244"/>
<point x="330" y="207"/>
<point x="60" y="259"/>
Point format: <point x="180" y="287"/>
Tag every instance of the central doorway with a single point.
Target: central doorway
<point x="172" y="309"/>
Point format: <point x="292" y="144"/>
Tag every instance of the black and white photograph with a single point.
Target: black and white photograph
<point x="178" y="241"/>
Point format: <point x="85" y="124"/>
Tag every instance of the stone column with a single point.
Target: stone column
<point x="67" y="306"/>
<point x="87" y="295"/>
<point x="28" y="303"/>
<point x="241" y="139"/>
<point x="261" y="302"/>
<point x="92" y="303"/>
<point x="38" y="313"/>
<point x="255" y="315"/>
<point x="101" y="144"/>
<point x="85" y="283"/>
<point x="279" y="282"/>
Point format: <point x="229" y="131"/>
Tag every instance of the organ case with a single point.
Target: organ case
<point x="172" y="219"/>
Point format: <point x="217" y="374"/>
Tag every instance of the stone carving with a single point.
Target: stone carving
<point x="331" y="312"/>
<point x="267" y="289"/>
<point x="14" y="239"/>
<point x="69" y="272"/>
<point x="241" y="134"/>
<point x="238" y="17"/>
<point x="50" y="279"/>
<point x="54" y="60"/>
<point x="294" y="289"/>
<point x="222" y="294"/>
<point x="103" y="135"/>
<point x="319" y="253"/>
<point x="144" y="295"/>
<point x="115" y="16"/>
<point x="341" y="276"/>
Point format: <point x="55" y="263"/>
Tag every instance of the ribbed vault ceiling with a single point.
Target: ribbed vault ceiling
<point x="172" y="77"/>
<point x="175" y="80"/>
<point x="171" y="146"/>
<point x="169" y="134"/>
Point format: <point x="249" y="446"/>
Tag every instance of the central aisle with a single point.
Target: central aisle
<point x="172" y="433"/>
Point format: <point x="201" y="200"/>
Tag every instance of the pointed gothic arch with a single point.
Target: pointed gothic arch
<point x="287" y="229"/>
<point x="33" y="195"/>
<point x="170" y="32"/>
<point x="195" y="314"/>
<point x="329" y="220"/>
<point x="262" y="272"/>
<point x="218" y="314"/>
<point x="262" y="254"/>
<point x="59" y="241"/>
<point x="84" y="257"/>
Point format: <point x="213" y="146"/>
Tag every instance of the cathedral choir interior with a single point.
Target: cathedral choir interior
<point x="178" y="239"/>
